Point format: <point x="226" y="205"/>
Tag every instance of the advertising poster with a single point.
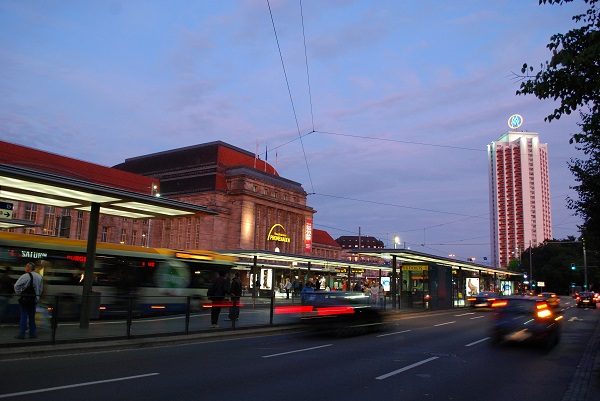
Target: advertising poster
<point x="506" y="287"/>
<point x="385" y="282"/>
<point x="472" y="286"/>
<point x="265" y="278"/>
<point x="308" y="236"/>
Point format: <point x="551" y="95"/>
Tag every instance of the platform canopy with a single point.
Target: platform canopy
<point x="292" y="261"/>
<point x="410" y="256"/>
<point x="41" y="187"/>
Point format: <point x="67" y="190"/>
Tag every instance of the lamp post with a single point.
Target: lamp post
<point x="396" y="241"/>
<point x="153" y="192"/>
<point x="585" y="277"/>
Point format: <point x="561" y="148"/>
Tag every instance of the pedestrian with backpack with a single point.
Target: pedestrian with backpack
<point x="29" y="288"/>
<point x="217" y="292"/>
<point x="236" y="296"/>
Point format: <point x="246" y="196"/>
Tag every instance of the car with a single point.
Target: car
<point x="483" y="299"/>
<point x="586" y="300"/>
<point x="342" y="313"/>
<point x="525" y="320"/>
<point x="551" y="298"/>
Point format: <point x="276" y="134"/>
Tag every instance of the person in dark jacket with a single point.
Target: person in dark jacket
<point x="219" y="289"/>
<point x="236" y="294"/>
<point x="28" y="312"/>
<point x="6" y="291"/>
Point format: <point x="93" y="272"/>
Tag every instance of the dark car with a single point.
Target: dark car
<point x="483" y="299"/>
<point x="342" y="313"/>
<point x="551" y="298"/>
<point x="586" y="300"/>
<point x="526" y="319"/>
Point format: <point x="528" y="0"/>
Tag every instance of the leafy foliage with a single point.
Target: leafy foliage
<point x="572" y="77"/>
<point x="551" y="262"/>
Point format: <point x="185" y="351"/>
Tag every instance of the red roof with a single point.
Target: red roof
<point x="323" y="238"/>
<point x="23" y="156"/>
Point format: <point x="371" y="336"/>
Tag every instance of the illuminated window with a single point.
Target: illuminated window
<point x="30" y="211"/>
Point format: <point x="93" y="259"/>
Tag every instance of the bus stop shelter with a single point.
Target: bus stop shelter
<point x="306" y="265"/>
<point x="445" y="282"/>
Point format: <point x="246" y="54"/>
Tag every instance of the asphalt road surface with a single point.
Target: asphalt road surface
<point x="444" y="356"/>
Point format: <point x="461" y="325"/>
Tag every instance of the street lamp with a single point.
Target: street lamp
<point x="153" y="192"/>
<point x="396" y="241"/>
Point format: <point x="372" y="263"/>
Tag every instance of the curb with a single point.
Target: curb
<point x="108" y="345"/>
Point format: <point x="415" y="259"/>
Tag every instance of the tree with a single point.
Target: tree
<point x="572" y="77"/>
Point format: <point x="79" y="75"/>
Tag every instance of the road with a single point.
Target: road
<point x="442" y="356"/>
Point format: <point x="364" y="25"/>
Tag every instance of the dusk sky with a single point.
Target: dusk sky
<point x="382" y="110"/>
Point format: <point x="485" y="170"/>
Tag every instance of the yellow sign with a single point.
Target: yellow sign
<point x="275" y="234"/>
<point x="418" y="268"/>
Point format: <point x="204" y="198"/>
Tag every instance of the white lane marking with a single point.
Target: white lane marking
<point x="465" y="314"/>
<point x="477" y="342"/>
<point x="43" y="390"/>
<point x="298" y="350"/>
<point x="476" y="317"/>
<point x="414" y="365"/>
<point x="394" y="333"/>
<point x="443" y="324"/>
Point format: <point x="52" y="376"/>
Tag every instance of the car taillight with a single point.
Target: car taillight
<point x="543" y="311"/>
<point x="499" y="304"/>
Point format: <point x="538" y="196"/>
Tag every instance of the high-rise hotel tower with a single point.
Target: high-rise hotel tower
<point x="519" y="195"/>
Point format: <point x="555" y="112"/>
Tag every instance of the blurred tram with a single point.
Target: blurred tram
<point x="151" y="280"/>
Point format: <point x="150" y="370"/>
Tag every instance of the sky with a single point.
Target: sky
<point x="382" y="110"/>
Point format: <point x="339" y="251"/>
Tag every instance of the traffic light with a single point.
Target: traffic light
<point x="573" y="267"/>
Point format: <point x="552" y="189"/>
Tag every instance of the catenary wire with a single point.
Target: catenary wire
<point x="290" y="94"/>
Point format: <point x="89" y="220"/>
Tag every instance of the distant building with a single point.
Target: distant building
<point x="324" y="246"/>
<point x="355" y="242"/>
<point x="519" y="195"/>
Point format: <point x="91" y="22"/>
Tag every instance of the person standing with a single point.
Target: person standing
<point x="217" y="292"/>
<point x="28" y="311"/>
<point x="6" y="290"/>
<point x="307" y="293"/>
<point x="236" y="294"/>
<point x="288" y="287"/>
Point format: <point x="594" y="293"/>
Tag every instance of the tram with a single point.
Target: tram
<point x="155" y="280"/>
